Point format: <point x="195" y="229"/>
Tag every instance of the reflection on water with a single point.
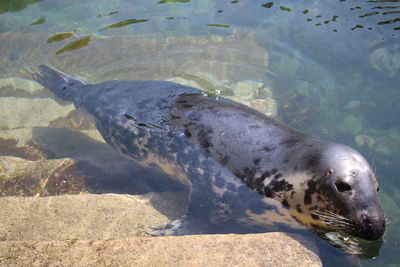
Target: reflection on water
<point x="331" y="69"/>
<point x="387" y="14"/>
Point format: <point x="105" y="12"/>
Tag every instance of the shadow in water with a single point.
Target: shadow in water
<point x="106" y="170"/>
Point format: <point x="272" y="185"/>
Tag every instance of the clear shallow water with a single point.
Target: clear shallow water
<point x="332" y="68"/>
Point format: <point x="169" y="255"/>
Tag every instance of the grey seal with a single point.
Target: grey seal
<point x="236" y="161"/>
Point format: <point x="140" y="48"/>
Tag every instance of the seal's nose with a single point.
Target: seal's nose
<point x="372" y="226"/>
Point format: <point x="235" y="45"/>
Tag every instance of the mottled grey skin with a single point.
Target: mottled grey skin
<point x="227" y="152"/>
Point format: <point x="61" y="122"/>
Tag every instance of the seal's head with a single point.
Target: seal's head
<point x="342" y="194"/>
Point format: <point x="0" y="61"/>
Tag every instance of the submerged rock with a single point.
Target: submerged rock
<point x="386" y="60"/>
<point x="364" y="140"/>
<point x="267" y="106"/>
<point x="14" y="86"/>
<point x="75" y="120"/>
<point x="247" y="90"/>
<point x="350" y="125"/>
<point x="20" y="177"/>
<point x="25" y="113"/>
<point x="9" y="147"/>
<point x="384" y="142"/>
<point x="386" y="145"/>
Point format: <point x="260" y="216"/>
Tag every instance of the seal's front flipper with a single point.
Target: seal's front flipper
<point x="182" y="226"/>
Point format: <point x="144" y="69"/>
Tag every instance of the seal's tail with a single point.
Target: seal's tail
<point x="61" y="84"/>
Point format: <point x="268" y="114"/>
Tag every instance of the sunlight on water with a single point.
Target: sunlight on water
<point x="328" y="68"/>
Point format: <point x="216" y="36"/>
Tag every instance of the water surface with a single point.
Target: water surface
<point x="329" y="68"/>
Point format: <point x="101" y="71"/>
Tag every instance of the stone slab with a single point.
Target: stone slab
<point x="269" y="249"/>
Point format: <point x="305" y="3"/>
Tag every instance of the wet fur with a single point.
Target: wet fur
<point x="238" y="162"/>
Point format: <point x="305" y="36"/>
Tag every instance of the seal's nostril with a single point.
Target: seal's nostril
<point x="342" y="186"/>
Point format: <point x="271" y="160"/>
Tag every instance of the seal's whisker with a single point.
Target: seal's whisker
<point x="338" y="223"/>
<point x="334" y="220"/>
<point x="329" y="214"/>
<point x="373" y="169"/>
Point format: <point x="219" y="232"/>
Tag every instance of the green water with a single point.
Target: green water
<point x="332" y="67"/>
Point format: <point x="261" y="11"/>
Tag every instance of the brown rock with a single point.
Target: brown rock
<point x="9" y="147"/>
<point x="20" y="177"/>
<point x="85" y="216"/>
<point x="269" y="249"/>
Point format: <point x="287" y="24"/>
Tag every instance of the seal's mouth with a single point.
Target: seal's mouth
<point x="368" y="229"/>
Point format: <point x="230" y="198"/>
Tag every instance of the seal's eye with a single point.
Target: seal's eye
<point x="377" y="190"/>
<point x="342" y="186"/>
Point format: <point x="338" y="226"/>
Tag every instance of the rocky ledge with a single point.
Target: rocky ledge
<point x="111" y="229"/>
<point x="270" y="249"/>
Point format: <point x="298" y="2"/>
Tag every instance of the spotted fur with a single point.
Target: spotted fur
<point x="243" y="168"/>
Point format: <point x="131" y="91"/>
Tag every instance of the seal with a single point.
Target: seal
<point x="235" y="160"/>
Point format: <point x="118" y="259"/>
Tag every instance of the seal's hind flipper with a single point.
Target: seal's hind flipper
<point x="63" y="85"/>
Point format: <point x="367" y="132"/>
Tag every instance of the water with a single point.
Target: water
<point x="329" y="69"/>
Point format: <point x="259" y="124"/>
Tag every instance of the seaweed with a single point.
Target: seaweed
<point x="123" y="23"/>
<point x="74" y="45"/>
